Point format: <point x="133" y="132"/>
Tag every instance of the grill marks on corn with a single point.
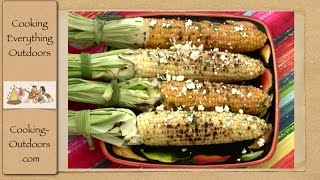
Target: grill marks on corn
<point x="213" y="96"/>
<point x="167" y="32"/>
<point x="209" y="129"/>
<point x="196" y="63"/>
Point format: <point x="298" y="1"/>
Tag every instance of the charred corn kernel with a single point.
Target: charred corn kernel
<point x="194" y="63"/>
<point x="180" y="128"/>
<point x="214" y="96"/>
<point x="163" y="33"/>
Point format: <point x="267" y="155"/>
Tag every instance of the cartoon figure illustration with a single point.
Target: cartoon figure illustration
<point x="43" y="92"/>
<point x="32" y="94"/>
<point x="40" y="98"/>
<point x="14" y="97"/>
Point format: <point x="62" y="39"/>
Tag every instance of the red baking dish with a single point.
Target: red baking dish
<point x="274" y="109"/>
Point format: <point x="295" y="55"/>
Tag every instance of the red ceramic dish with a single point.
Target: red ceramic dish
<point x="274" y="108"/>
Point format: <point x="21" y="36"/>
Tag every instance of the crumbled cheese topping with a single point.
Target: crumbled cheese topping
<point x="215" y="49"/>
<point x="200" y="47"/>
<point x="244" y="151"/>
<point x="152" y="23"/>
<point x="234" y="91"/>
<point x="169" y="117"/>
<point x="249" y="118"/>
<point x="160" y="108"/>
<point x="180" y="78"/>
<point x="174" y="88"/>
<point x="188" y="23"/>
<point x="191" y="108"/>
<point x="205" y="91"/>
<point x="226" y="108"/>
<point x="184" y="89"/>
<point x="190" y="118"/>
<point x="163" y="60"/>
<point x="184" y="149"/>
<point x="166" y="25"/>
<point x="239" y="28"/>
<point x="227" y="124"/>
<point x="261" y="142"/>
<point x="200" y="107"/>
<point x="240" y="111"/>
<point x="249" y="94"/>
<point x="244" y="34"/>
<point x="168" y="77"/>
<point x="195" y="55"/>
<point x="238" y="159"/>
<point x="190" y="85"/>
<point x="174" y="78"/>
<point x="218" y="109"/>
<point x="189" y="80"/>
<point x="199" y="85"/>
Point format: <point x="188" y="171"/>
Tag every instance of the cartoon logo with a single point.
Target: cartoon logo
<point x="35" y="95"/>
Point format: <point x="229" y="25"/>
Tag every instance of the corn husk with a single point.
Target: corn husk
<point x="116" y="126"/>
<point x="134" y="93"/>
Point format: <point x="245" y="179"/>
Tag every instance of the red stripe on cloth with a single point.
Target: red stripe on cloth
<point x="79" y="154"/>
<point x="89" y="14"/>
<point x="285" y="56"/>
<point x="277" y="22"/>
<point x="142" y="13"/>
<point x="286" y="162"/>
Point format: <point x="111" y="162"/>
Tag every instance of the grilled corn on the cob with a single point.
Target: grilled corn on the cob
<point x="198" y="128"/>
<point x="191" y="95"/>
<point x="164" y="33"/>
<point x="194" y="64"/>
<point x="183" y="61"/>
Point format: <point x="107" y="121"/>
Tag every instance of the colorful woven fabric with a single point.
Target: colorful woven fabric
<point x="281" y="26"/>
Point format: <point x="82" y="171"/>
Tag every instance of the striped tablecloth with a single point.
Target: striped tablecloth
<point x="281" y="25"/>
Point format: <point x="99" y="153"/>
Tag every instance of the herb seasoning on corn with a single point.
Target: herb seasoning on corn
<point x="180" y="128"/>
<point x="163" y="33"/>
<point x="178" y="63"/>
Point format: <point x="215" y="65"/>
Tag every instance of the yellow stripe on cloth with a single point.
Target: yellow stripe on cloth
<point x="283" y="148"/>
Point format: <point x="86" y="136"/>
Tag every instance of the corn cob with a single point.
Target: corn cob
<point x="190" y="95"/>
<point x="163" y="33"/>
<point x="183" y="61"/>
<point x="194" y="64"/>
<point x="181" y="128"/>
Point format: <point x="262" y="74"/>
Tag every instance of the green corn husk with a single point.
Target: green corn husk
<point x="118" y="33"/>
<point x="107" y="66"/>
<point x="111" y="125"/>
<point x="134" y="93"/>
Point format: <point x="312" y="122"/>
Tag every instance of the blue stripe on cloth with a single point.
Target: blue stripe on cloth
<point x="249" y="13"/>
<point x="101" y="164"/>
<point x="286" y="99"/>
<point x="286" y="80"/>
<point x="286" y="115"/>
<point x="285" y="35"/>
